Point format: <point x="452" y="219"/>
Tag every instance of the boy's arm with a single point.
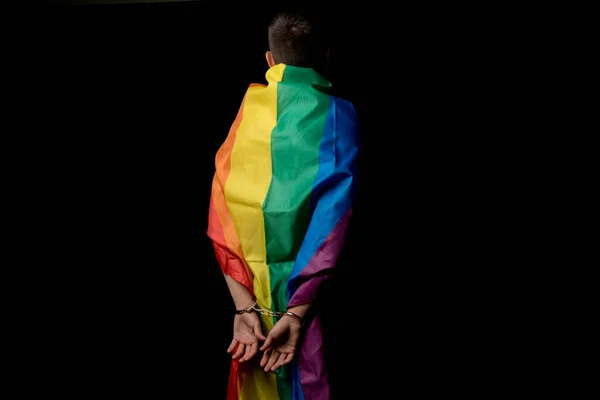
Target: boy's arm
<point x="300" y="310"/>
<point x="240" y="293"/>
<point x="220" y="222"/>
<point x="330" y="219"/>
<point x="323" y="240"/>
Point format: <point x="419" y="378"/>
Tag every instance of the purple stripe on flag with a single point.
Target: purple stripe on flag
<point x="313" y="374"/>
<point x="324" y="259"/>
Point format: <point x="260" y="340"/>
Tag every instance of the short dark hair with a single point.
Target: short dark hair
<point x="298" y="40"/>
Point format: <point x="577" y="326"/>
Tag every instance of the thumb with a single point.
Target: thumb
<point x="258" y="332"/>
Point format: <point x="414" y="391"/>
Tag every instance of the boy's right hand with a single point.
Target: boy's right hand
<point x="246" y="334"/>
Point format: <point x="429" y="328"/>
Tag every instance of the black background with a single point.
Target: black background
<point x="136" y="99"/>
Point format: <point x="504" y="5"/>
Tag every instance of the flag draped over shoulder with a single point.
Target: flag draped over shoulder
<point x="280" y="205"/>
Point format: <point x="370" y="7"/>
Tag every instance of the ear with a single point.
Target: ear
<point x="270" y="59"/>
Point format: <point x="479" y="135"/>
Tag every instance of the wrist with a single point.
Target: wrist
<point x="242" y="297"/>
<point x="295" y="318"/>
<point x="300" y="310"/>
<point x="243" y="304"/>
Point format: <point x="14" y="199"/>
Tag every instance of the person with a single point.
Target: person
<point x="281" y="201"/>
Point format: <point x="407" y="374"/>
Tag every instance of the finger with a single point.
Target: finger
<point x="265" y="358"/>
<point x="239" y="351"/>
<point x="232" y="345"/>
<point x="267" y="344"/>
<point x="258" y="332"/>
<point x="288" y="358"/>
<point x="272" y="360"/>
<point x="280" y="361"/>
<point x="254" y="349"/>
<point x="250" y="352"/>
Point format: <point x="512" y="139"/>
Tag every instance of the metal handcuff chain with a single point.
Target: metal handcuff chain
<point x="276" y="314"/>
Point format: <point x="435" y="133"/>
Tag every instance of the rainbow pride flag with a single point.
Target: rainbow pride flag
<point x="281" y="201"/>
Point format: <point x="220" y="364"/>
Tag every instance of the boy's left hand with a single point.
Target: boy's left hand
<point x="281" y="343"/>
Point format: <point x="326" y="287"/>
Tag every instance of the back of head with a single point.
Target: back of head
<point x="297" y="40"/>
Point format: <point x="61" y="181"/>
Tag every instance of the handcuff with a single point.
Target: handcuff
<point x="275" y="314"/>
